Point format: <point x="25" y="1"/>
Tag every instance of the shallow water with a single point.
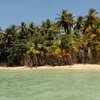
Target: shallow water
<point x="53" y="85"/>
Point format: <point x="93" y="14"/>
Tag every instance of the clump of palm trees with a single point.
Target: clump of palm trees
<point x="63" y="42"/>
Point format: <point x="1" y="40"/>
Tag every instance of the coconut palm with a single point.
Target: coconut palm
<point x="89" y="32"/>
<point x="50" y="31"/>
<point x="10" y="35"/>
<point x="34" y="45"/>
<point x="65" y="21"/>
<point x="23" y="31"/>
<point x="33" y="29"/>
<point x="79" y="23"/>
<point x="91" y="18"/>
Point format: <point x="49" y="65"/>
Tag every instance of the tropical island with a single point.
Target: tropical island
<point x="68" y="40"/>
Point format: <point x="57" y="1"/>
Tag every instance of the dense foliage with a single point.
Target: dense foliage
<point x="63" y="42"/>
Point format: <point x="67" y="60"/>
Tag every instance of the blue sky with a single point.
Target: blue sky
<point x="17" y="11"/>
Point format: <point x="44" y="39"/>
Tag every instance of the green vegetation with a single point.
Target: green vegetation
<point x="63" y="42"/>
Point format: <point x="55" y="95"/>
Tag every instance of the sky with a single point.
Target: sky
<point x="17" y="11"/>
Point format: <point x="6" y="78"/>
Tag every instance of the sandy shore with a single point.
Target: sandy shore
<point x="73" y="67"/>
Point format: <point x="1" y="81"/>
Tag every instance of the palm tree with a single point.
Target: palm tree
<point x="50" y="31"/>
<point x="10" y="35"/>
<point x="23" y="31"/>
<point x="95" y="41"/>
<point x="33" y="29"/>
<point x="46" y="26"/>
<point x="79" y="23"/>
<point x="1" y="36"/>
<point x="2" y="42"/>
<point x="91" y="18"/>
<point x="65" y="21"/>
<point x="89" y="32"/>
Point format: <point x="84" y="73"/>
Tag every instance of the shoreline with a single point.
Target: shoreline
<point x="86" y="67"/>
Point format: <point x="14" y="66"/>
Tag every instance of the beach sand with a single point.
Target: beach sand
<point x="91" y="67"/>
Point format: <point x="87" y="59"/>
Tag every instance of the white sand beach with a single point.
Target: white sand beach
<point x="92" y="67"/>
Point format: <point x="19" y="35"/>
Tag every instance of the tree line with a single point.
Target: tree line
<point x="66" y="41"/>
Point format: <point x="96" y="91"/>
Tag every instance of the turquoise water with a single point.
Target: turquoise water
<point x="53" y="85"/>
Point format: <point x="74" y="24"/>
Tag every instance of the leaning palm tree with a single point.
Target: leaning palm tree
<point x="65" y="21"/>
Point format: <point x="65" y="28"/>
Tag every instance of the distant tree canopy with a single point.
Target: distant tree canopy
<point x="63" y="42"/>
